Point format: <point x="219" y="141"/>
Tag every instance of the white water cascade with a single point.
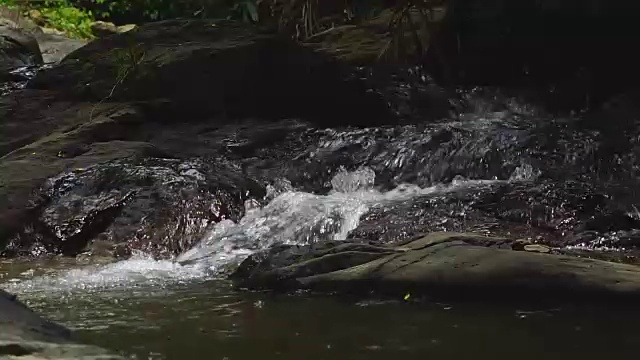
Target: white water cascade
<point x="290" y="217"/>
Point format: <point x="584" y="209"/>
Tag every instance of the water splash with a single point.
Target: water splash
<point x="138" y="271"/>
<point x="301" y="218"/>
<point x="291" y="217"/>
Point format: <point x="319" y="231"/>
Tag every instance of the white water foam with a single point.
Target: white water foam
<point x="291" y="217"/>
<point x="138" y="271"/>
<point x="303" y="218"/>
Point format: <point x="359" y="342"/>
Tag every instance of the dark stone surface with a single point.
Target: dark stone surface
<point x="210" y="68"/>
<point x="459" y="265"/>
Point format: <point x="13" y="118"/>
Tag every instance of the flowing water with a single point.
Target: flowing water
<point x="163" y="311"/>
<point x="497" y="168"/>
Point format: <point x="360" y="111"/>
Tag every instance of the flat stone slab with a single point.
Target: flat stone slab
<point x="453" y="264"/>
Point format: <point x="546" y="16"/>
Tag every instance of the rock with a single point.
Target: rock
<point x="125" y="28"/>
<point x="8" y="23"/>
<point x="17" y="49"/>
<point x="15" y="17"/>
<point x="160" y="206"/>
<point x="449" y="264"/>
<point x="24" y="334"/>
<point x="537" y="248"/>
<point x="208" y="68"/>
<point x="55" y="45"/>
<point x="287" y="262"/>
<point x="105" y="188"/>
<point x="36" y="16"/>
<point x="51" y="31"/>
<point x="103" y="28"/>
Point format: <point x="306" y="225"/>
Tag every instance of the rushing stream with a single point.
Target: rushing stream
<point x="494" y="169"/>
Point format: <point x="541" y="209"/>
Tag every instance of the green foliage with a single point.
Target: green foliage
<point x="57" y="14"/>
<point x="8" y="3"/>
<point x="62" y="16"/>
<point x="411" y="27"/>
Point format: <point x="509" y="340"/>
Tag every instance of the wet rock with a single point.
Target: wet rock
<point x="52" y="139"/>
<point x="24" y="334"/>
<point x="554" y="214"/>
<point x="452" y="264"/>
<point x="34" y="139"/>
<point x="18" y="49"/>
<point x="159" y="206"/>
<point x="39" y="45"/>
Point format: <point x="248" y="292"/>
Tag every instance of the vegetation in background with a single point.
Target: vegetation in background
<point x="303" y="18"/>
<point x="411" y="25"/>
<point x="57" y="14"/>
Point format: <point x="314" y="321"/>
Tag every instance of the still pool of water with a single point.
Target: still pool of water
<point x="198" y="319"/>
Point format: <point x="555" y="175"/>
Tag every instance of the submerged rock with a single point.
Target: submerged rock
<point x="24" y="334"/>
<point x="450" y="264"/>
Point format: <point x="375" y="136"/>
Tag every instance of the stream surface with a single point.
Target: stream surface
<point x="188" y="318"/>
<point x="500" y="168"/>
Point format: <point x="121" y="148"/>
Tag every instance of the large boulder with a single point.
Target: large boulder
<point x="24" y="334"/>
<point x="205" y="68"/>
<point x="441" y="264"/>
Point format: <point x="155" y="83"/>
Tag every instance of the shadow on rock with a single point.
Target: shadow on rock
<point x="452" y="265"/>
